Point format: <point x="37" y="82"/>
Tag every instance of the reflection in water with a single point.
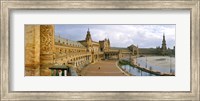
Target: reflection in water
<point x="135" y="71"/>
<point x="163" y="64"/>
<point x="159" y="63"/>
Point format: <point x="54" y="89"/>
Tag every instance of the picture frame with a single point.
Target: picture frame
<point x="9" y="5"/>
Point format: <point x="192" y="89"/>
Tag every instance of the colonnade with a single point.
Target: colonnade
<point x="112" y="55"/>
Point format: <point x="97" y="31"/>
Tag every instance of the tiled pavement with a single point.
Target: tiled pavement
<point x="102" y="68"/>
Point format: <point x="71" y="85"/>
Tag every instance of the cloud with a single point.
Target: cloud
<point x="146" y="36"/>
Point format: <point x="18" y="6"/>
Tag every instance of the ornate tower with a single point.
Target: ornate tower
<point x="164" y="47"/>
<point x="88" y="36"/>
<point x="88" y="40"/>
<point x="108" y="43"/>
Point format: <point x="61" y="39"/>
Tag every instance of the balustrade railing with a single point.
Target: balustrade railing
<point x="60" y="70"/>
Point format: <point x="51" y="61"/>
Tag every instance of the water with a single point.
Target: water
<point x="163" y="64"/>
<point x="135" y="71"/>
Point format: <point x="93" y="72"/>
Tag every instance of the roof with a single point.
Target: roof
<point x="95" y="42"/>
<point x="132" y="46"/>
<point x="119" y="48"/>
<point x="67" y="41"/>
<point x="81" y="41"/>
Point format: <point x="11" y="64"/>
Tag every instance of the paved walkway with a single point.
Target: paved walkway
<point x="107" y="68"/>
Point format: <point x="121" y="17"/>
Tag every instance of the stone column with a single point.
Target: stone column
<point x="46" y="49"/>
<point x="92" y="56"/>
<point x="119" y="55"/>
<point x="104" y="56"/>
<point x="32" y="50"/>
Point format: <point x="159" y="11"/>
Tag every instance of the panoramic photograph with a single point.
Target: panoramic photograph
<point x="100" y="50"/>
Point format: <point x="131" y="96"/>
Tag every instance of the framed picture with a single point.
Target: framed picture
<point x="100" y="50"/>
<point x="73" y="52"/>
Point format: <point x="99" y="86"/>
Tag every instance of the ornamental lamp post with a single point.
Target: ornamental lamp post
<point x="146" y="61"/>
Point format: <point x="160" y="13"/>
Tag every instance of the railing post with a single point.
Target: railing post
<point x="63" y="72"/>
<point x="57" y="74"/>
<point x="52" y="72"/>
<point x="60" y="72"/>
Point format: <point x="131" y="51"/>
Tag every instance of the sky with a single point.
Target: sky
<point x="145" y="36"/>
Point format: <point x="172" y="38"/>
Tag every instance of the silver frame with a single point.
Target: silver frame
<point x="8" y="5"/>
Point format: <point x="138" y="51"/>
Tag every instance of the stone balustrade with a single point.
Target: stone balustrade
<point x="60" y="70"/>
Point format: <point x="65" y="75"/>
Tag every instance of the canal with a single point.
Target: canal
<point x="135" y="71"/>
<point x="164" y="64"/>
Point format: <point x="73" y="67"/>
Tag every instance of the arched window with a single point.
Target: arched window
<point x="135" y="52"/>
